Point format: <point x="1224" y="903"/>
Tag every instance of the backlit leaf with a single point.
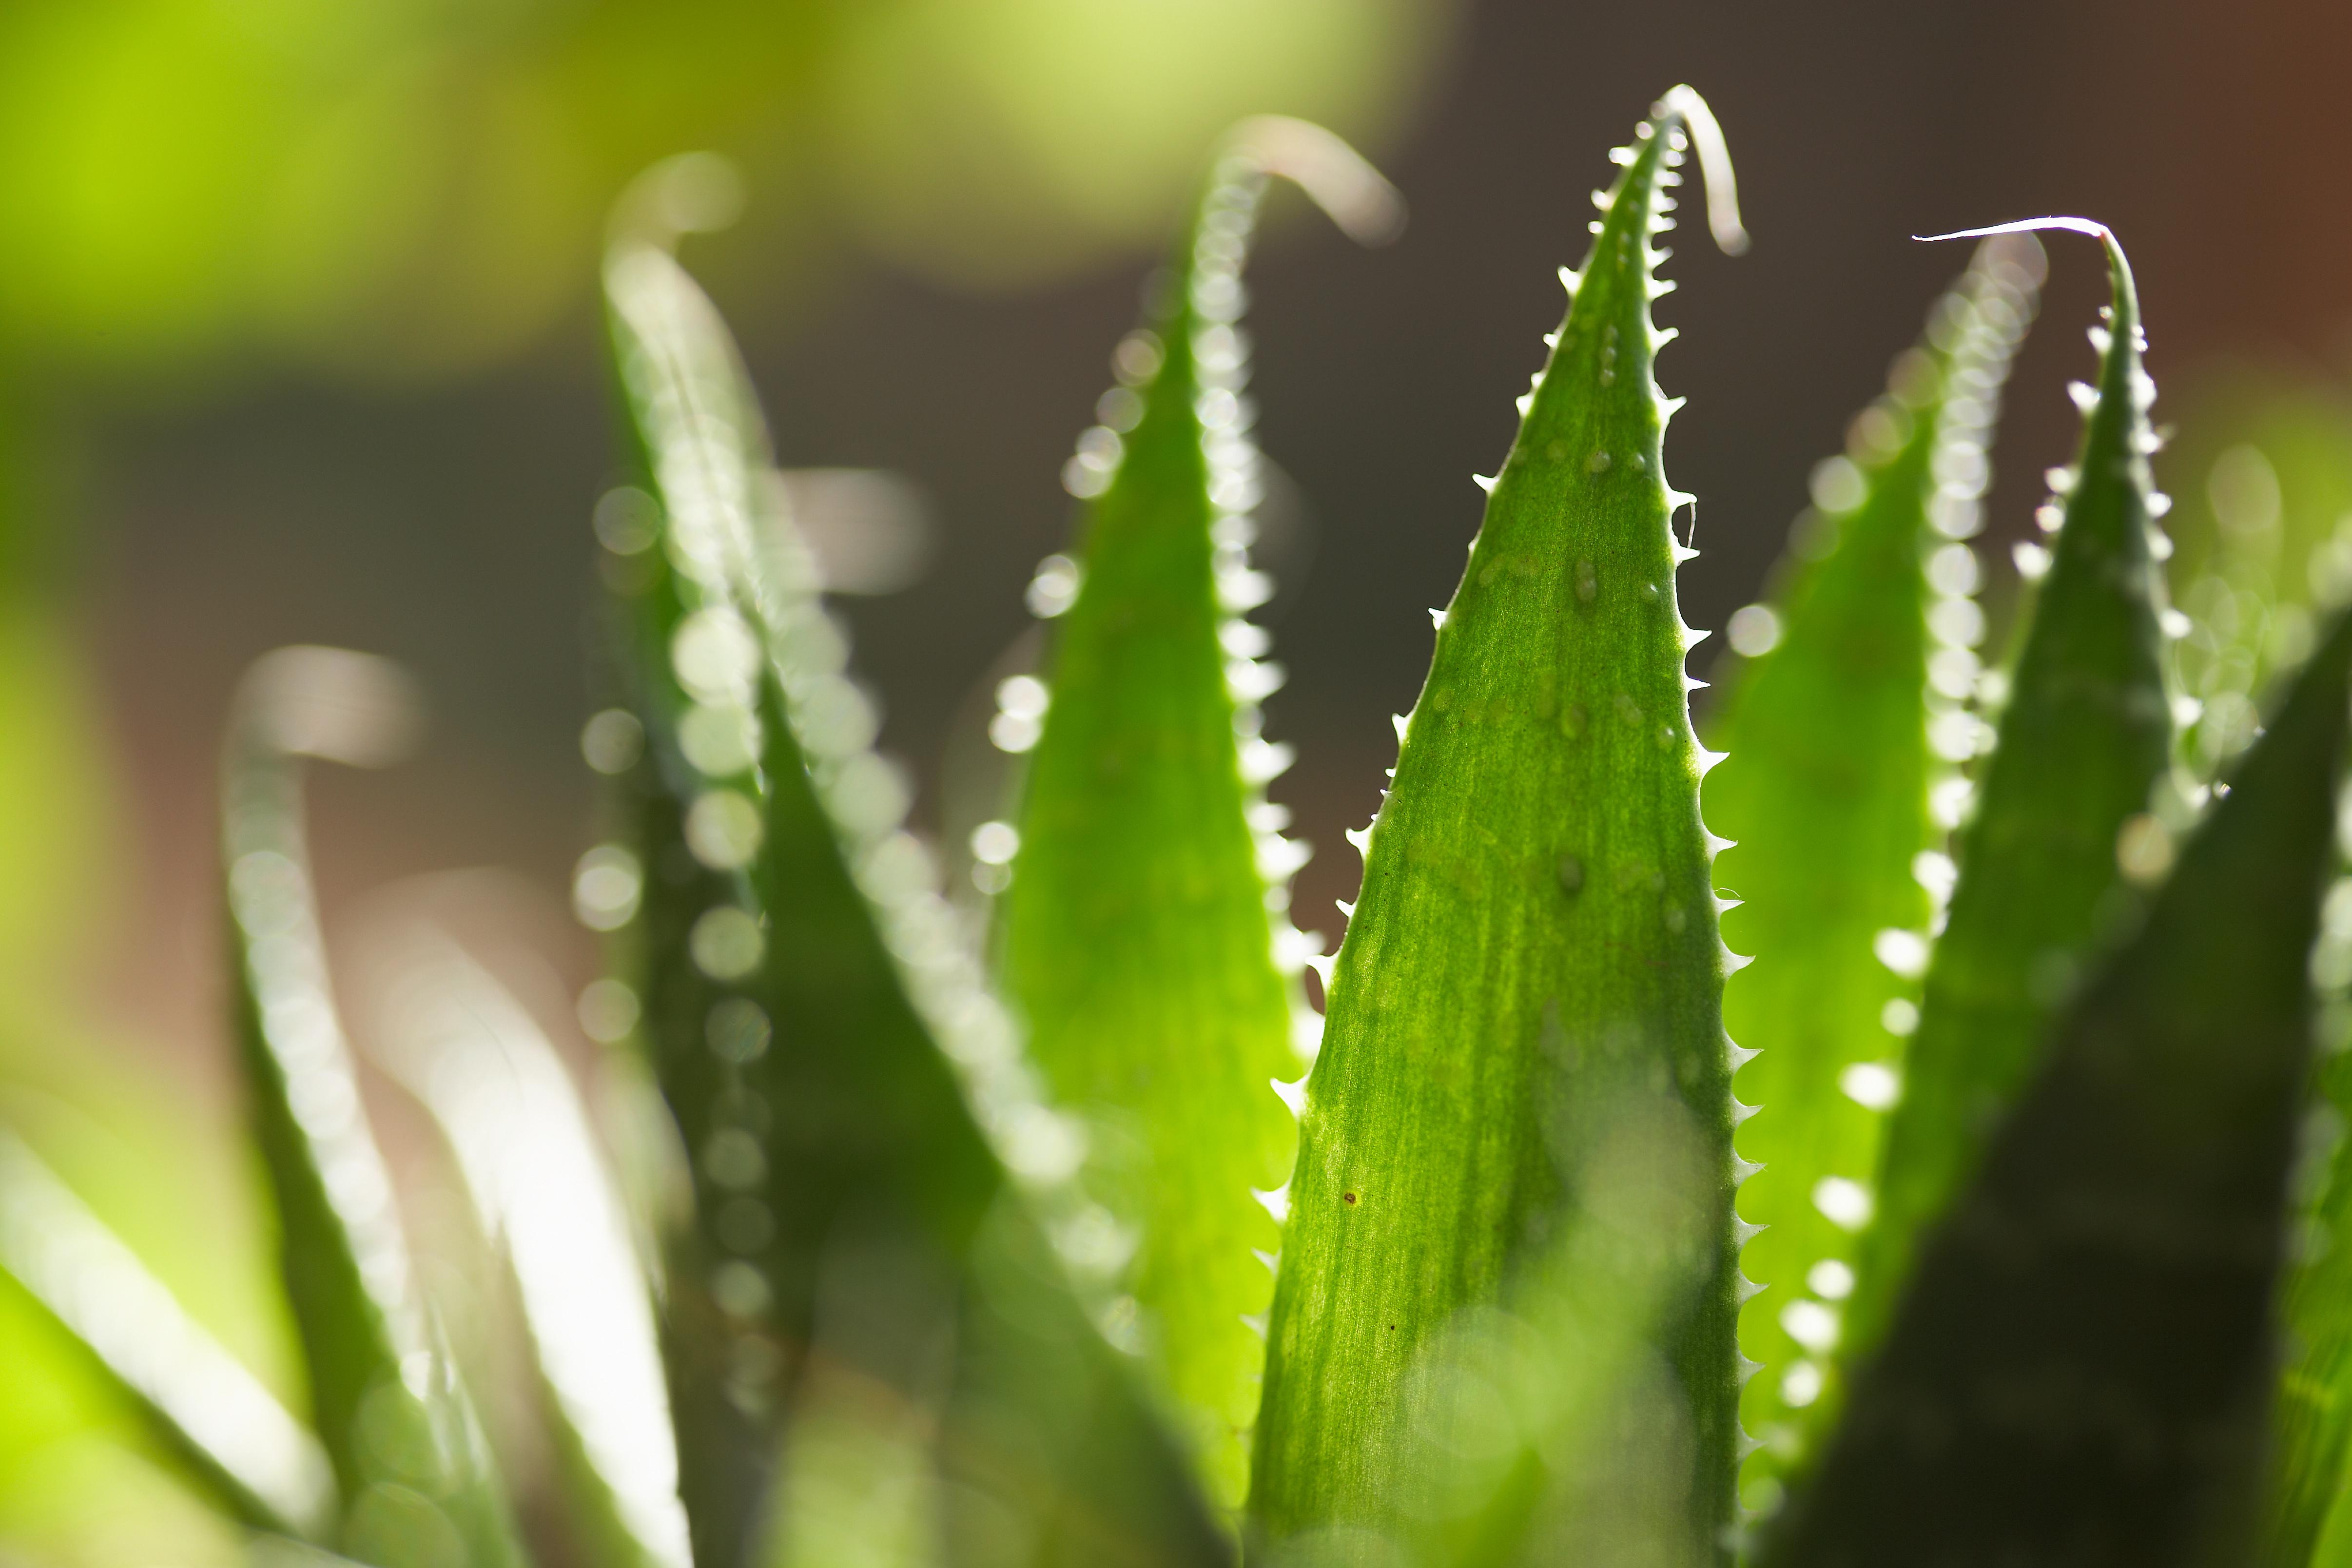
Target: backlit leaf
<point x="1536" y="938"/>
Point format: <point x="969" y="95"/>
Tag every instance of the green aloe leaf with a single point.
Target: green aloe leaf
<point x="397" y="1424"/>
<point x="2062" y="807"/>
<point x="1536" y="934"/>
<point x="863" y="1126"/>
<point x="2307" y="1508"/>
<point x="259" y="1462"/>
<point x="2079" y="1367"/>
<point x="1160" y="1006"/>
<point x="474" y="1056"/>
<point x="1841" y="721"/>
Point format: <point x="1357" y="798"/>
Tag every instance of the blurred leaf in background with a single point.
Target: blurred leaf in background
<point x="395" y="189"/>
<point x="2263" y="475"/>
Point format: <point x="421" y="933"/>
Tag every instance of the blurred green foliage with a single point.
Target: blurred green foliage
<point x="402" y="188"/>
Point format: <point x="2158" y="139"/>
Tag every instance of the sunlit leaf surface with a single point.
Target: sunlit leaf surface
<point x="1536" y="938"/>
<point x="237" y="1437"/>
<point x="1846" y="705"/>
<point x="870" y="1151"/>
<point x="1137" y="948"/>
<point x="416" y="1475"/>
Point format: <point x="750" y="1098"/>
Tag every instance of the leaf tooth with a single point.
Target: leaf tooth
<point x="1254" y="1323"/>
<point x="1346" y="910"/>
<point x="1273" y="1261"/>
<point x="1321" y="964"/>
<point x="1677" y="499"/>
<point x="1437" y="620"/>
<point x="1741" y="1112"/>
<point x="1277" y="1202"/>
<point x="1361" y="838"/>
<point x="1692" y="684"/>
<point x="1522" y="403"/>
<point x="1403" y="721"/>
<point x="1734" y="962"/>
<point x="1293" y="1095"/>
<point x="1745" y="1289"/>
<point x="1667" y="408"/>
<point x="1736" y="1056"/>
<point x="1661" y="336"/>
<point x="1661" y="287"/>
<point x="1706" y="760"/>
<point x="1569" y="279"/>
<point x="1743" y="1169"/>
<point x="1716" y="844"/>
<point x="1602" y="200"/>
<point x="2085" y="396"/>
<point x="1681" y="553"/>
<point x="1485" y="482"/>
<point x="1550" y="340"/>
<point x="1742" y="1232"/>
<point x="1724" y="903"/>
<point x="1748" y="1445"/>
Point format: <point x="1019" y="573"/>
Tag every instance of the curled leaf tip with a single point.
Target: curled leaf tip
<point x="2097" y="231"/>
<point x="333" y="703"/>
<point x="690" y="194"/>
<point x="1684" y="105"/>
<point x="1337" y="178"/>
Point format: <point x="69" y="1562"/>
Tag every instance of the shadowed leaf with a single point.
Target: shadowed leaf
<point x="2082" y="743"/>
<point x="2079" y="1367"/>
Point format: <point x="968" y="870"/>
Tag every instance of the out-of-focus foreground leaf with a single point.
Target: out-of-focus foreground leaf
<point x="2306" y="1515"/>
<point x="843" y="1082"/>
<point x="2079" y="1368"/>
<point x="1535" y="938"/>
<point x="2061" y="810"/>
<point x="1842" y="715"/>
<point x="1136" y="928"/>
<point x="472" y="1053"/>
<point x="418" y="1480"/>
<point x="256" y="1460"/>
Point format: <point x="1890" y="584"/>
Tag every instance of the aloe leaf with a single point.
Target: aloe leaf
<point x="474" y="1056"/>
<point x="2083" y="742"/>
<point x="397" y="1423"/>
<point x="2079" y="1368"/>
<point x="842" y="1080"/>
<point x="1841" y="721"/>
<point x="1136" y="928"/>
<point x="257" y="1461"/>
<point x="1537" y="925"/>
<point x="2307" y="1507"/>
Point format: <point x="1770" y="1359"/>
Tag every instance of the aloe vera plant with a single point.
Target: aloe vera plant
<point x="2084" y="740"/>
<point x="954" y="1228"/>
<point x="1847" y="708"/>
<point x="1136" y="928"/>
<point x="1512" y="955"/>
